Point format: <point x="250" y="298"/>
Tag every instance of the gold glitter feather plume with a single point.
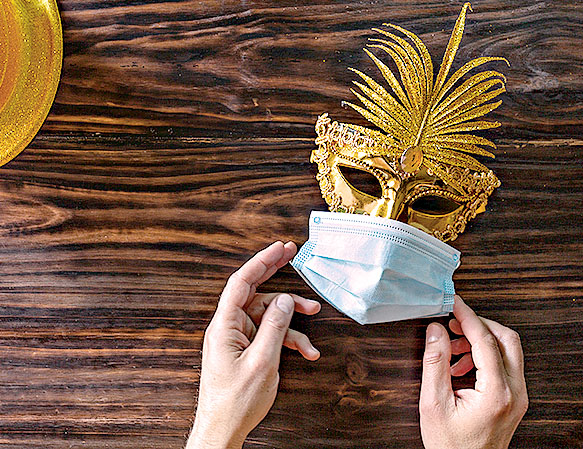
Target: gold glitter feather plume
<point x="425" y="122"/>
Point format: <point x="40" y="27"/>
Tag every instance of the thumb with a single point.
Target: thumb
<point x="436" y="390"/>
<point x="273" y="328"/>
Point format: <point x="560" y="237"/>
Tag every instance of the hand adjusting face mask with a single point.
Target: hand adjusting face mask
<point x="384" y="258"/>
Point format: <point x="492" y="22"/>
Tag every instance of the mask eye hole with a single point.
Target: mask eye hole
<point x="434" y="205"/>
<point x="362" y="181"/>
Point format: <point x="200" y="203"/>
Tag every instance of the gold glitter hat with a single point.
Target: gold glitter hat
<point x="420" y="151"/>
<point x="31" y="53"/>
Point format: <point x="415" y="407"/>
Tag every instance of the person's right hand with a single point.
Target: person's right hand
<point x="487" y="416"/>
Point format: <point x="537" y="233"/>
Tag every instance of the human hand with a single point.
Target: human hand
<point x="488" y="415"/>
<point x="241" y="351"/>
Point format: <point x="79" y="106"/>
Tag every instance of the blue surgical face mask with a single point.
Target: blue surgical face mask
<point x="377" y="270"/>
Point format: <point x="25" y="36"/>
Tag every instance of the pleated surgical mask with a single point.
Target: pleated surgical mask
<point x="377" y="270"/>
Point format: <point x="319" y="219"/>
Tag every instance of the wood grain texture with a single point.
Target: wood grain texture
<point x="179" y="145"/>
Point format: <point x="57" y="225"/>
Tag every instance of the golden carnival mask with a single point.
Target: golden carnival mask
<point x="420" y="152"/>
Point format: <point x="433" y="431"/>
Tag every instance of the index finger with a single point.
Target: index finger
<point x="485" y="350"/>
<point x="241" y="286"/>
<point x="510" y="347"/>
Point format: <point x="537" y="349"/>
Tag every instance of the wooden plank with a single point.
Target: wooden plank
<point x="262" y="69"/>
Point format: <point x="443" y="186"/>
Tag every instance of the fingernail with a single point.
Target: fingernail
<point x="433" y="333"/>
<point x="314" y="351"/>
<point x="285" y="303"/>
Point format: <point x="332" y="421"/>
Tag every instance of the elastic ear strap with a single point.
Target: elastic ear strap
<point x="448" y="296"/>
<point x="303" y="255"/>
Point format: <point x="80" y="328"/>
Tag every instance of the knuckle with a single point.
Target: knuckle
<point x="262" y="367"/>
<point x="303" y="339"/>
<point x="432" y="358"/>
<point x="512" y="337"/>
<point x="210" y="331"/>
<point x="277" y="321"/>
<point x="236" y="280"/>
<point x="254" y="311"/>
<point x="257" y="364"/>
<point x="504" y="402"/>
<point x="490" y="343"/>
<point x="230" y="281"/>
<point x="210" y="340"/>
<point x="235" y="276"/>
<point x="523" y="404"/>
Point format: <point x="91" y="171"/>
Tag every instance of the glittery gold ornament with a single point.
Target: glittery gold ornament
<point x="420" y="153"/>
<point x="31" y="53"/>
<point x="411" y="159"/>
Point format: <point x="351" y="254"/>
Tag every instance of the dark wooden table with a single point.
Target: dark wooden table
<point x="178" y="146"/>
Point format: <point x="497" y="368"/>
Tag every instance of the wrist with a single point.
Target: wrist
<point x="212" y="437"/>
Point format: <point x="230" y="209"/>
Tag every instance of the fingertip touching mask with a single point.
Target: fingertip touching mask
<point x="425" y="183"/>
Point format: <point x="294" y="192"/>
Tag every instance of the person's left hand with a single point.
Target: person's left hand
<point x="241" y="352"/>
